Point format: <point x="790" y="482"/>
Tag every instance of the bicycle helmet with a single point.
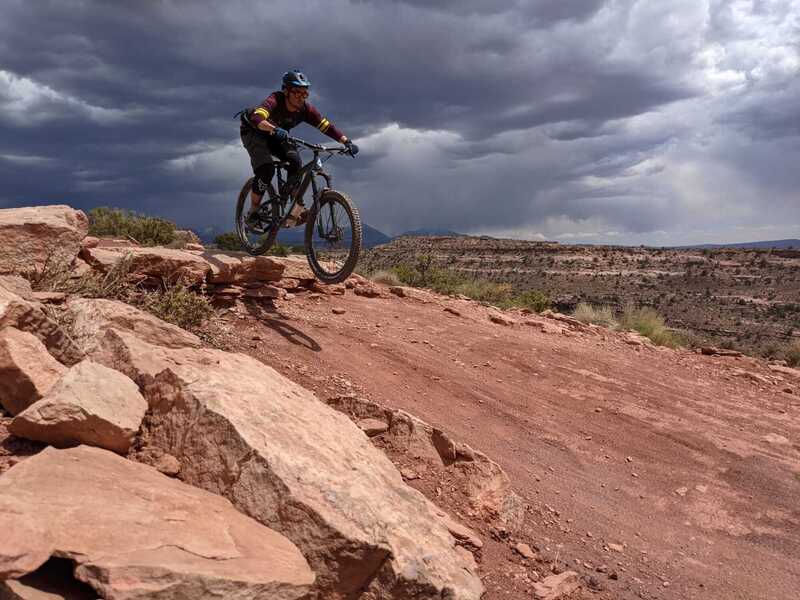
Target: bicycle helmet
<point x="295" y="78"/>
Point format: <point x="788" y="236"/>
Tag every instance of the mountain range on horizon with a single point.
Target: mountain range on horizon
<point x="374" y="237"/>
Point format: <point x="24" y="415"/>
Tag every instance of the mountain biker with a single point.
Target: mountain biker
<point x="264" y="133"/>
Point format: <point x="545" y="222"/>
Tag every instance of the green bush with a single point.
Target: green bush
<point x="120" y="223"/>
<point x="598" y="315"/>
<point x="650" y="324"/>
<point x="228" y="241"/>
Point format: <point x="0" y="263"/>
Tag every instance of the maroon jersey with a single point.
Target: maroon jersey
<point x="274" y="110"/>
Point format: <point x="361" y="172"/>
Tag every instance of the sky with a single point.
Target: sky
<point x="659" y="122"/>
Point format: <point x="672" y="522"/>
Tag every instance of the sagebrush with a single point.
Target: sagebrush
<point x="121" y="223"/>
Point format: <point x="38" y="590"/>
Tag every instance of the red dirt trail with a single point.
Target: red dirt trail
<point x="687" y="465"/>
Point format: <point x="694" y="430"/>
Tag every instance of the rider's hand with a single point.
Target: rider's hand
<point x="280" y="134"/>
<point x="352" y="149"/>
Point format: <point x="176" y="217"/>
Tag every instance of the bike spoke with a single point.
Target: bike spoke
<point x="333" y="236"/>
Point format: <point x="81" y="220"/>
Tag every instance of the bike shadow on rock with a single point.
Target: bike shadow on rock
<point x="269" y="315"/>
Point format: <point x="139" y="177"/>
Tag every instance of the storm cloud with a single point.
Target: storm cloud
<point x="660" y="122"/>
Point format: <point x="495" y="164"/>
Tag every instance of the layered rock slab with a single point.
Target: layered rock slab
<point x="91" y="404"/>
<point x="240" y="429"/>
<point x="36" y="235"/>
<point x="155" y="264"/>
<point x="230" y="269"/>
<point x="134" y="533"/>
<point x="92" y="316"/>
<point x="27" y="371"/>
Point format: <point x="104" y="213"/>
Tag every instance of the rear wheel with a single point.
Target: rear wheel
<point x="257" y="237"/>
<point x="333" y="237"/>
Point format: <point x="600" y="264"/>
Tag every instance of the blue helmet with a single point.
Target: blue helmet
<point x="295" y="78"/>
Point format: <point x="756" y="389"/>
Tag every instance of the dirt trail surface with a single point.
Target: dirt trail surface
<point x="653" y="473"/>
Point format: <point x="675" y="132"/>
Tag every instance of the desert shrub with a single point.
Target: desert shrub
<point x="228" y="241"/>
<point x="531" y="299"/>
<point x="385" y="277"/>
<point x="650" y="324"/>
<point x="279" y="249"/>
<point x="177" y="304"/>
<point x="598" y="315"/>
<point x="117" y="222"/>
<point x="421" y="273"/>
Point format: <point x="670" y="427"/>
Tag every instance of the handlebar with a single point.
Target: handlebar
<point x="317" y="147"/>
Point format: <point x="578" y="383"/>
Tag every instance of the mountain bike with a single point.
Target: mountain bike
<point x="332" y="223"/>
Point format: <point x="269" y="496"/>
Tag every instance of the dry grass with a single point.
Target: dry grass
<point x="597" y="315"/>
<point x="650" y="324"/>
<point x="57" y="276"/>
<point x="176" y="303"/>
<point x="386" y="278"/>
<point x="423" y="274"/>
<point x="793" y="354"/>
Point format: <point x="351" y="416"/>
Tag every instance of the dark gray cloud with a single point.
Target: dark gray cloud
<point x="617" y="118"/>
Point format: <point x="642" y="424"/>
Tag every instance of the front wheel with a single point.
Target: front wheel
<point x="257" y="237"/>
<point x="333" y="237"/>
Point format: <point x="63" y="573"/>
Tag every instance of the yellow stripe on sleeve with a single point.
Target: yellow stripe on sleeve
<point x="262" y="111"/>
<point x="323" y="125"/>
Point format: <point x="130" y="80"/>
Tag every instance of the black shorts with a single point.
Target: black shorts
<point x="262" y="149"/>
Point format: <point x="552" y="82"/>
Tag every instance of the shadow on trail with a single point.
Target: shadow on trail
<point x="268" y="315"/>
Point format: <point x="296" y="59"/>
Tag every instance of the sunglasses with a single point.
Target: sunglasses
<point x="301" y="93"/>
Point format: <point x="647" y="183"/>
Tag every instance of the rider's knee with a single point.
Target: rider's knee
<point x="263" y="176"/>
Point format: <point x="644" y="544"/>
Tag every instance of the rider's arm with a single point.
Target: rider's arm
<point x="260" y="116"/>
<point x="312" y="116"/>
<point x="266" y="126"/>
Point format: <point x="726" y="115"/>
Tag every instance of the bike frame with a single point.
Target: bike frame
<point x="307" y="176"/>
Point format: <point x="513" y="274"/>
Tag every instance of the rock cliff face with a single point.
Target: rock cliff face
<point x="280" y="496"/>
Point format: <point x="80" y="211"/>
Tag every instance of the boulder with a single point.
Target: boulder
<point x="133" y="533"/>
<point x="368" y="290"/>
<point x="17" y="285"/>
<point x="92" y="316"/>
<point x="501" y="319"/>
<point x="240" y="429"/>
<point x="91" y="404"/>
<point x="556" y="586"/>
<point x="483" y="481"/>
<point x="27" y="316"/>
<point x="295" y="267"/>
<point x="230" y="269"/>
<point x="264" y="291"/>
<point x="153" y="264"/>
<point x="783" y="370"/>
<point x="30" y="237"/>
<point x="52" y="581"/>
<point x="27" y="371"/>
